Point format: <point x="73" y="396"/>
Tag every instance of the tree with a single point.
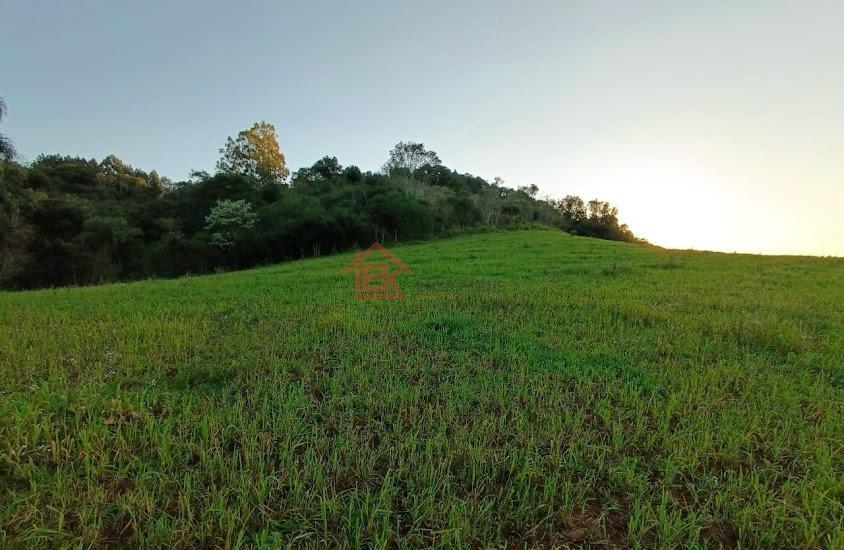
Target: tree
<point x="228" y="221"/>
<point x="109" y="234"/>
<point x="410" y="156"/>
<point x="489" y="203"/>
<point x="294" y="225"/>
<point x="394" y="213"/>
<point x="156" y="181"/>
<point x="15" y="232"/>
<point x="326" y="168"/>
<point x="109" y="230"/>
<point x="255" y="153"/>
<point x="114" y="171"/>
<point x="7" y="149"/>
<point x="465" y="213"/>
<point x="572" y="208"/>
<point x="602" y="212"/>
<point x="352" y="174"/>
<point x="530" y="190"/>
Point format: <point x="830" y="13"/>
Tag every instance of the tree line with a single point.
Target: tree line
<point x="74" y="221"/>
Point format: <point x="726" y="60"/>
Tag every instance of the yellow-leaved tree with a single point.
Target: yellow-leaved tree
<point x="255" y="153"/>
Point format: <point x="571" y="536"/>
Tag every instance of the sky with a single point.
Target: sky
<point x="710" y="125"/>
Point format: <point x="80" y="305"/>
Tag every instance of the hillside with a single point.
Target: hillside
<point x="531" y="389"/>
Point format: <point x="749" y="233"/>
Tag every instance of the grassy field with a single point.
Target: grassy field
<point x="533" y="389"/>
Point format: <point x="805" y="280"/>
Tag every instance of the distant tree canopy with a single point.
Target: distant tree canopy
<point x="7" y="149"/>
<point x="593" y="219"/>
<point x="255" y="153"/>
<point x="410" y="157"/>
<point x="69" y="220"/>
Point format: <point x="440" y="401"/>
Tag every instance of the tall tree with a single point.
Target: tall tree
<point x="410" y="156"/>
<point x="255" y="153"/>
<point x="571" y="207"/>
<point x="7" y="149"/>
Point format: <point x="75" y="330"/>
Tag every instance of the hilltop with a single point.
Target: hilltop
<point x="531" y="389"/>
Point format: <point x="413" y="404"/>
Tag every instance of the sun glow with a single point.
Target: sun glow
<point x="677" y="201"/>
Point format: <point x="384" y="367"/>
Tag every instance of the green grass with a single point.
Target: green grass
<point x="532" y="389"/>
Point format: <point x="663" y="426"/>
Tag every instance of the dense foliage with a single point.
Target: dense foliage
<point x="74" y="221"/>
<point x="7" y="149"/>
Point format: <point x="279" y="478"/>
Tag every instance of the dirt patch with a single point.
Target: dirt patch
<point x="721" y="534"/>
<point x="597" y="524"/>
<point x="119" y="533"/>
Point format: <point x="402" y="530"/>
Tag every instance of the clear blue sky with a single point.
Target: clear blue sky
<point x="729" y="112"/>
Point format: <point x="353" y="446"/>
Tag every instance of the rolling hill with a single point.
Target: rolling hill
<point x="532" y="389"/>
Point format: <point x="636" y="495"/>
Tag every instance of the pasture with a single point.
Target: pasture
<point x="532" y="389"/>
